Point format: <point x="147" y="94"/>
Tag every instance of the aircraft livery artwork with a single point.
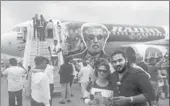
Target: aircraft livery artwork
<point x="145" y="52"/>
<point x="135" y="33"/>
<point x="82" y="39"/>
<point x="89" y="39"/>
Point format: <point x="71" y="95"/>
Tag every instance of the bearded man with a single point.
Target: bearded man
<point x="131" y="85"/>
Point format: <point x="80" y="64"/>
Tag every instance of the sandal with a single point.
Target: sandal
<point x="62" y="102"/>
<point x="68" y="100"/>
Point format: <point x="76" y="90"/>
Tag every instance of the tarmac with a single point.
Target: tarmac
<point x="75" y="100"/>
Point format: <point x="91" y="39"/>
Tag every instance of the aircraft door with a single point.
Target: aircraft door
<point x="25" y="31"/>
<point x="21" y="33"/>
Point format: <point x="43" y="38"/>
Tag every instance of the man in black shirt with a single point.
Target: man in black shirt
<point x="65" y="73"/>
<point x="131" y="85"/>
<point x="35" y="25"/>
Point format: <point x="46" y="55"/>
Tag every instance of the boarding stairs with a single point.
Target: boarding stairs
<point x="43" y="51"/>
<point x="36" y="48"/>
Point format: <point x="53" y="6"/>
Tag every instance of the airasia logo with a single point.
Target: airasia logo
<point x="153" y="52"/>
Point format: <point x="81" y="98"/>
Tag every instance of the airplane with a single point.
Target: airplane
<point x="13" y="42"/>
<point x="116" y="35"/>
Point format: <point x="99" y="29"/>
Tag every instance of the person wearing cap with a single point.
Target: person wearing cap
<point x="15" y="82"/>
<point x="38" y="83"/>
<point x="54" y="49"/>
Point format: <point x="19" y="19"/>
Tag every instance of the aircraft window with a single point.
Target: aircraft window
<point x="16" y="29"/>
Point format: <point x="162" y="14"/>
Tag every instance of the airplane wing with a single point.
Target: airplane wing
<point x="5" y="58"/>
<point x="162" y="42"/>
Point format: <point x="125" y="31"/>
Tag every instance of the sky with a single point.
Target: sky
<point x="152" y="13"/>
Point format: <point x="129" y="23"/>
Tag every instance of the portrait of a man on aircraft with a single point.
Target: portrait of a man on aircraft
<point x="95" y="37"/>
<point x="85" y="40"/>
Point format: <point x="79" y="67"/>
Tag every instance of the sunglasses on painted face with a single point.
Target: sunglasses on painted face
<point x="104" y="71"/>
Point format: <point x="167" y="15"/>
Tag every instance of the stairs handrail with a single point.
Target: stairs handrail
<point x="27" y="48"/>
<point x="60" y="54"/>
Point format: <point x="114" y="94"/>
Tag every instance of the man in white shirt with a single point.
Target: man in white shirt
<point x="50" y="30"/>
<point x="50" y="73"/>
<point x="54" y="50"/>
<point x="15" y="77"/>
<point x="74" y="75"/>
<point x="84" y="75"/>
<point x="92" y="75"/>
<point x="38" y="82"/>
<point x="59" y="32"/>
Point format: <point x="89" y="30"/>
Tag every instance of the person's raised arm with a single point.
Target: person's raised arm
<point x="28" y="88"/>
<point x="60" y="70"/>
<point x="49" y="49"/>
<point x="59" y="50"/>
<point x="5" y="71"/>
<point x="80" y="73"/>
<point x="160" y="74"/>
<point x="24" y="70"/>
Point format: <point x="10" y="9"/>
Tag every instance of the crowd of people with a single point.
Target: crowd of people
<point x="117" y="81"/>
<point x="127" y="85"/>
